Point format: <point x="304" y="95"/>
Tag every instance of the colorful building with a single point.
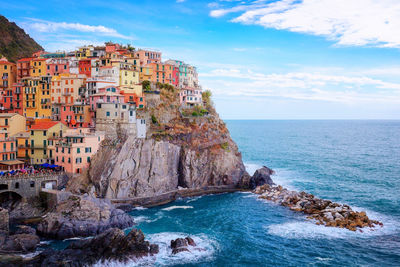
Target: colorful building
<point x="23" y="68"/>
<point x="85" y="67"/>
<point x="8" y="73"/>
<point x="56" y="66"/>
<point x="74" y="151"/>
<point x="148" y="56"/>
<point x="8" y="153"/>
<point x="109" y="94"/>
<point x="38" y="67"/>
<point x="42" y="135"/>
<point x="12" y="123"/>
<point x="191" y="97"/>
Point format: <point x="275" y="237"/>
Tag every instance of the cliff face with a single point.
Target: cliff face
<point x="14" y="42"/>
<point x="181" y="152"/>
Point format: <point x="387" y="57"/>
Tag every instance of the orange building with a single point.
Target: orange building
<point x="8" y="73"/>
<point x="159" y="74"/>
<point x="23" y="68"/>
<point x="8" y="153"/>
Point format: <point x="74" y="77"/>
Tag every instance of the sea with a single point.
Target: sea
<point x="354" y="162"/>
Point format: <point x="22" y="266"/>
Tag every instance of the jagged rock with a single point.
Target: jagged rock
<point x="261" y="176"/>
<point x="181" y="244"/>
<point x="323" y="212"/>
<point x="23" y="229"/>
<point x="186" y="153"/>
<point x="82" y="216"/>
<point x="112" y="244"/>
<point x="4" y="220"/>
<point x="21" y="243"/>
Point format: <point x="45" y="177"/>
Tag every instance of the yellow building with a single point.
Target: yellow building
<point x="38" y="67"/>
<point x="8" y="73"/>
<point x="12" y="123"/>
<point x="37" y="97"/>
<point x="145" y="74"/>
<point x="84" y="52"/>
<point x="42" y="135"/>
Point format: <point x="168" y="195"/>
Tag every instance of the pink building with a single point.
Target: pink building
<point x="191" y="97"/>
<point x="57" y="66"/>
<point x="109" y="94"/>
<point x="75" y="150"/>
<point x="147" y="56"/>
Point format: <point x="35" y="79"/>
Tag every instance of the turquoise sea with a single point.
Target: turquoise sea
<point x="354" y="162"/>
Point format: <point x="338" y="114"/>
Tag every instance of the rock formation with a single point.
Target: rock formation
<point x="4" y="220"/>
<point x="180" y="152"/>
<point x="323" y="212"/>
<point x="111" y="245"/>
<point x="181" y="244"/>
<point x="261" y="176"/>
<point x="82" y="216"/>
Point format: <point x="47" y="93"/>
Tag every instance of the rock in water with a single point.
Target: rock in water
<point x="181" y="244"/>
<point x="79" y="216"/>
<point x="323" y="212"/>
<point x="21" y="243"/>
<point x="111" y="245"/>
<point x="261" y="176"/>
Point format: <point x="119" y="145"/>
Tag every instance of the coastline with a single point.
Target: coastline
<point x="165" y="198"/>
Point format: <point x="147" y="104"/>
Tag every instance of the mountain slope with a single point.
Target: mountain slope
<point x="14" y="42"/>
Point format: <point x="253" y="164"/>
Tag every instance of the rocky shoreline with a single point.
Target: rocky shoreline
<point x="321" y="211"/>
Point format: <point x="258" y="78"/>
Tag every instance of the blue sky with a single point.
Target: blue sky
<point x="281" y="59"/>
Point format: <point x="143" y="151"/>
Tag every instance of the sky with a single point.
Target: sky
<point x="275" y="59"/>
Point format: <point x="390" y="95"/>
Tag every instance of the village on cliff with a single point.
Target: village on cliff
<point x="56" y="108"/>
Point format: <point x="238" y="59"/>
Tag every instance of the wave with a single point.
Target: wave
<point x="192" y="199"/>
<point x="139" y="208"/>
<point x="203" y="252"/>
<point x="177" y="207"/>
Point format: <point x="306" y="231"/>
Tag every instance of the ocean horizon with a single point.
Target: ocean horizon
<point x="353" y="163"/>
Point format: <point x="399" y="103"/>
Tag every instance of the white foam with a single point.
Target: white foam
<point x="139" y="208"/>
<point x="203" y="252"/>
<point x="310" y="230"/>
<point x="192" y="199"/>
<point x="177" y="207"/>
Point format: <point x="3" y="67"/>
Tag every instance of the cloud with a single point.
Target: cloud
<point x="347" y="22"/>
<point x="301" y="86"/>
<point x="43" y="26"/>
<point x="180" y="1"/>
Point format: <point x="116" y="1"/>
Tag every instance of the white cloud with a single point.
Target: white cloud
<point x="348" y="22"/>
<point x="301" y="86"/>
<point x="43" y="26"/>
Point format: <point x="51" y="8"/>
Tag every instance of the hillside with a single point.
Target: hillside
<point x="14" y="42"/>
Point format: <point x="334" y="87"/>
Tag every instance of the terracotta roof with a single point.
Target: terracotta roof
<point x="44" y="125"/>
<point x="26" y="59"/>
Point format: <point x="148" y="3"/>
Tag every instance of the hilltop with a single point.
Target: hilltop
<point x="15" y="43"/>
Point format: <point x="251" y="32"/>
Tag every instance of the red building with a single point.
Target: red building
<point x="23" y="68"/>
<point x="17" y="93"/>
<point x="77" y="115"/>
<point x="134" y="98"/>
<point x="56" y="66"/>
<point x="85" y="67"/>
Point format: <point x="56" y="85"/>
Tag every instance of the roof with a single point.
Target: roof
<point x="7" y="115"/>
<point x="11" y="162"/>
<point x="40" y="59"/>
<point x="44" y="125"/>
<point x="26" y="59"/>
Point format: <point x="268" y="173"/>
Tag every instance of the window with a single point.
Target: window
<point x="88" y="159"/>
<point x="32" y="133"/>
<point x="16" y="185"/>
<point x="32" y="183"/>
<point x="108" y="113"/>
<point x="78" y="150"/>
<point x="44" y="133"/>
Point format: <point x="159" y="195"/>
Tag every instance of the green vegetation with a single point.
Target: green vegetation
<point x="225" y="146"/>
<point x="146" y="86"/>
<point x="206" y="95"/>
<point x="14" y="42"/>
<point x="154" y="119"/>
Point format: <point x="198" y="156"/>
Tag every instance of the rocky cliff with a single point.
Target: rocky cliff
<point x="180" y="152"/>
<point x="14" y="42"/>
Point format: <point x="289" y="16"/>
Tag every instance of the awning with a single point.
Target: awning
<point x="46" y="165"/>
<point x="11" y="162"/>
